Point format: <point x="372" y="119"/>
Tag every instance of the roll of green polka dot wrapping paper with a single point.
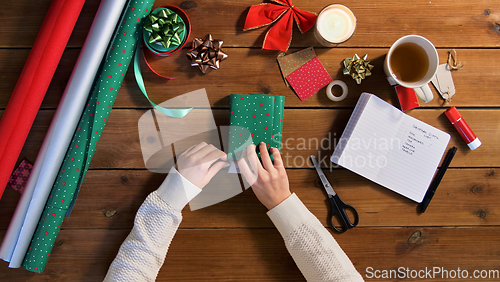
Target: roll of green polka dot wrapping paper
<point x="255" y="117"/>
<point x="88" y="133"/>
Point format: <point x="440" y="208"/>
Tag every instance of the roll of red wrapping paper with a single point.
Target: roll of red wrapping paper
<point x="34" y="81"/>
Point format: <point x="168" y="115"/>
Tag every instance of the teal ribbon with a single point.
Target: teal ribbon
<point x="140" y="81"/>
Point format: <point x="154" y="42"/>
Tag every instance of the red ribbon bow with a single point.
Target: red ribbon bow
<point x="282" y="14"/>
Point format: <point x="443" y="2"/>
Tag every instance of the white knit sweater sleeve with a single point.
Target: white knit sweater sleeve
<point x="143" y="252"/>
<point x="314" y="250"/>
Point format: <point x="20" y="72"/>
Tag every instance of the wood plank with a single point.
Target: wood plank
<point x="260" y="255"/>
<point x="446" y="23"/>
<point x="476" y="83"/>
<point x="260" y="74"/>
<point x="466" y="197"/>
<point x="235" y="240"/>
<point x="314" y="131"/>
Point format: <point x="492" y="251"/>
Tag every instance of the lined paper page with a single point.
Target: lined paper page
<point x="351" y="124"/>
<point x="393" y="149"/>
<point x="411" y="167"/>
<point x="370" y="141"/>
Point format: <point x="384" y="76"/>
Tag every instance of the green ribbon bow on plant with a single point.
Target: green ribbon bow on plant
<point x="165" y="27"/>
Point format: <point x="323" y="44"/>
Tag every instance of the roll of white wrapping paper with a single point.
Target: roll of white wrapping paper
<point x="58" y="138"/>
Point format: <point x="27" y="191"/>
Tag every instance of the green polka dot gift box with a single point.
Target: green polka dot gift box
<point x="255" y="118"/>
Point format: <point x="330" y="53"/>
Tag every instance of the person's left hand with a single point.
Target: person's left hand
<point x="200" y="163"/>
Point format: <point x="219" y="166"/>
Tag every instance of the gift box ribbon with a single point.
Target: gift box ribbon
<point x="140" y="82"/>
<point x="169" y="26"/>
<point x="206" y="53"/>
<point x="282" y="15"/>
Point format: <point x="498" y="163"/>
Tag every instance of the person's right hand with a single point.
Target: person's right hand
<point x="200" y="163"/>
<point x="269" y="181"/>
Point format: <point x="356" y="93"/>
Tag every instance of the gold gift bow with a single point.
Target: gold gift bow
<point x="358" y="68"/>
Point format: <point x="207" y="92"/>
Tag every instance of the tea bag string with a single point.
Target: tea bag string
<point x="452" y="56"/>
<point x="453" y="64"/>
<point x="446" y="98"/>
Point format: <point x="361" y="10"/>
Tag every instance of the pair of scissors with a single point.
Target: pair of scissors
<point x="337" y="206"/>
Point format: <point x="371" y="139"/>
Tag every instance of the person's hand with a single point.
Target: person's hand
<point x="269" y="181"/>
<point x="200" y="163"/>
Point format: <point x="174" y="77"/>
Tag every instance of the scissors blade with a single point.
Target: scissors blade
<point x="322" y="177"/>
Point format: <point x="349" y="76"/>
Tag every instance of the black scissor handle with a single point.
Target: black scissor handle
<point x="337" y="209"/>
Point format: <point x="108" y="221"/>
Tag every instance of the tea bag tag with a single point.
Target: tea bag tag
<point x="443" y="82"/>
<point x="392" y="81"/>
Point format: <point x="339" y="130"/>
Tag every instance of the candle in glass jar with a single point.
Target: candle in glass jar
<point x="335" y="24"/>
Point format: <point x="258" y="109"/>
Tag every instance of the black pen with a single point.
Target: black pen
<point x="435" y="183"/>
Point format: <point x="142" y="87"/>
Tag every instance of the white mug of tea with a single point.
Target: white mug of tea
<point x="412" y="61"/>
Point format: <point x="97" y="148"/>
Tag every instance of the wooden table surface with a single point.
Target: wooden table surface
<point x="235" y="240"/>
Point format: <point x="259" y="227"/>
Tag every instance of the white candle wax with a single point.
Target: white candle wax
<point x="336" y="23"/>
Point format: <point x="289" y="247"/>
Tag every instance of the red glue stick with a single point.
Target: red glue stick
<point x="459" y="123"/>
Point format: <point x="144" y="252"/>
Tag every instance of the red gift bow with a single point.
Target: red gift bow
<point x="279" y="35"/>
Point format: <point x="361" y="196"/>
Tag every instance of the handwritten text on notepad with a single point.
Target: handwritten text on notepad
<point x="406" y="169"/>
<point x="417" y="137"/>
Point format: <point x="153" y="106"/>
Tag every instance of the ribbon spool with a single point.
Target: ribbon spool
<point x="160" y="27"/>
<point x="166" y="30"/>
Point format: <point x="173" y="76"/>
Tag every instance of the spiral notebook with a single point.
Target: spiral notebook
<point x="390" y="148"/>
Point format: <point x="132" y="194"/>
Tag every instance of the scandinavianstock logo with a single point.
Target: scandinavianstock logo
<point x="163" y="137"/>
